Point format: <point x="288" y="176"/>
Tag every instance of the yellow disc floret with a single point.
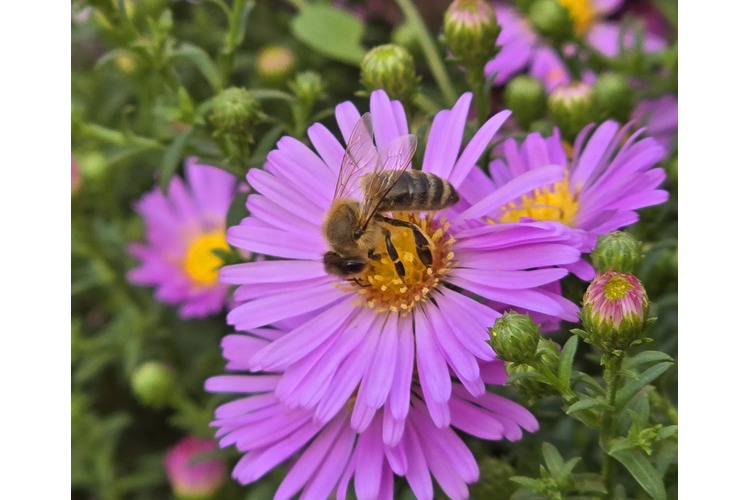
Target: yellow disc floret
<point x="557" y="202"/>
<point x="201" y="264"/>
<point x="384" y="290"/>
<point x="581" y="13"/>
<point x="617" y="288"/>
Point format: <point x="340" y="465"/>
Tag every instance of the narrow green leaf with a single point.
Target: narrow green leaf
<point x="525" y="481"/>
<point x="668" y="432"/>
<point x="566" y="360"/>
<point x="332" y="32"/>
<point x="646" y="357"/>
<point x="585" y="403"/>
<point x="554" y="460"/>
<point x="524" y="376"/>
<point x="172" y="157"/>
<point x="642" y="471"/>
<point x="631" y="388"/>
<point x="202" y="62"/>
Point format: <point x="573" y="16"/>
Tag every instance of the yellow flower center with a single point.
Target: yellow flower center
<point x="383" y="290"/>
<point x="201" y="264"/>
<point x="616" y="288"/>
<point x="556" y="202"/>
<point x="580" y="12"/>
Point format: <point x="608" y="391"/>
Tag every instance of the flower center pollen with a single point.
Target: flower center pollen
<point x="556" y="202"/>
<point x="387" y="291"/>
<point x="616" y="288"/>
<point x="580" y="12"/>
<point x="201" y="264"/>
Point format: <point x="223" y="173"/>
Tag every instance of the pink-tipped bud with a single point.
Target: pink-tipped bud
<point x="193" y="470"/>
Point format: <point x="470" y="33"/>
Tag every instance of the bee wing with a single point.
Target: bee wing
<point x="360" y="158"/>
<point x="391" y="165"/>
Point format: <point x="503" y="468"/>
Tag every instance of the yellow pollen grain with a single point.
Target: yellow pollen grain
<point x="388" y="291"/>
<point x="201" y="264"/>
<point x="581" y="12"/>
<point x="557" y="202"/>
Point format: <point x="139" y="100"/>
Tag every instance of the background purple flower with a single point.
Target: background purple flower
<point x="369" y="339"/>
<point x="326" y="453"/>
<point x="610" y="176"/>
<point x="182" y="228"/>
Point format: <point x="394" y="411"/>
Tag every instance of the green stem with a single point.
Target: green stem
<point x="117" y="138"/>
<point x="231" y="41"/>
<point x="475" y="79"/>
<point x="613" y="375"/>
<point x="430" y="50"/>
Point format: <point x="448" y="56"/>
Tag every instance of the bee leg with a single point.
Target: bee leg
<point x="393" y="254"/>
<point x="356" y="280"/>
<point x="422" y="243"/>
<point x="372" y="255"/>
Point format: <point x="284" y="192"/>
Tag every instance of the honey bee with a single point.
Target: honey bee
<point x="370" y="184"/>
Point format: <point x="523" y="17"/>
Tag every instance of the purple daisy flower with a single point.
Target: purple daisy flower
<point x="182" y="230"/>
<point x="327" y="454"/>
<point x="368" y="339"/>
<point x="659" y="118"/>
<point x="609" y="177"/>
<point x="521" y="47"/>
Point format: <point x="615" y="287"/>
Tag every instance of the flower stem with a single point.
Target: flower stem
<point x="613" y="377"/>
<point x="429" y="48"/>
<point x="475" y="79"/>
<point x="231" y="42"/>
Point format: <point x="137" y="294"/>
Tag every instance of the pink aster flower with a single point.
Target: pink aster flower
<point x="183" y="229"/>
<point x="659" y="118"/>
<point x="326" y="453"/>
<point x="522" y="47"/>
<point x="192" y="468"/>
<point x="369" y="339"/>
<point x="609" y="177"/>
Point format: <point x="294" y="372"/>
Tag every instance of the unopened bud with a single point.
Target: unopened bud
<point x="470" y="31"/>
<point x="614" y="97"/>
<point x="391" y="68"/>
<point x="614" y="311"/>
<point x="235" y="112"/>
<point x="547" y="357"/>
<point x="526" y="97"/>
<point x="551" y="19"/>
<point x="308" y="87"/>
<point x="514" y="337"/>
<point x="275" y="64"/>
<point x="193" y="470"/>
<point x="618" y="251"/>
<point x="154" y="384"/>
<point x="572" y="107"/>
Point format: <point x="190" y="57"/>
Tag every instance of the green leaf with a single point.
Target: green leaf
<point x="668" y="432"/>
<point x="566" y="360"/>
<point x="646" y="357"/>
<point x="525" y="481"/>
<point x="332" y="32"/>
<point x="643" y="472"/>
<point x="586" y="403"/>
<point x="524" y="376"/>
<point x="202" y="62"/>
<point x="631" y="388"/>
<point x="172" y="158"/>
<point x="554" y="460"/>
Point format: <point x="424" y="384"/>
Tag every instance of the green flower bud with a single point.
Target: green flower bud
<point x="618" y="251"/>
<point x="572" y="107"/>
<point x="526" y="97"/>
<point x="614" y="311"/>
<point x="614" y="97"/>
<point x="235" y="112"/>
<point x="514" y="337"/>
<point x="275" y="65"/>
<point x="551" y="19"/>
<point x="391" y="68"/>
<point x="547" y="356"/>
<point x="154" y="384"/>
<point x="470" y="32"/>
<point x="308" y="87"/>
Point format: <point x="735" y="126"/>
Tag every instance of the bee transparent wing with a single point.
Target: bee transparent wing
<point x="391" y="165"/>
<point x="360" y="158"/>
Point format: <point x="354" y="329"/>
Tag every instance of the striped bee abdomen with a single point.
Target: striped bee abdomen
<point x="418" y="191"/>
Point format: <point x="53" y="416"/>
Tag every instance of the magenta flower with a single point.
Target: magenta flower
<point x="327" y="454"/>
<point x="182" y="230"/>
<point x="193" y="469"/>
<point x="608" y="178"/>
<point x="521" y="47"/>
<point x="659" y="118"/>
<point x="369" y="339"/>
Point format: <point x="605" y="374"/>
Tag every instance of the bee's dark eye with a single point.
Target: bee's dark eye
<point x="353" y="267"/>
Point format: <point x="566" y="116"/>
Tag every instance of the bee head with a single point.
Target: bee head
<point x="341" y="266"/>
